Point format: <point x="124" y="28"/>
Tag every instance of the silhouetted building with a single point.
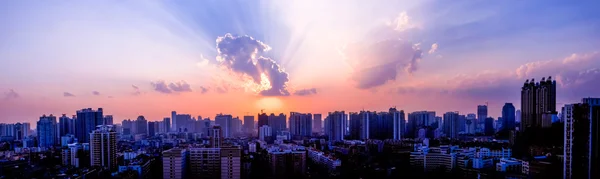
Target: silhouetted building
<point x="300" y="124"/>
<point x="317" y="123"/>
<point x="151" y="129"/>
<point x="226" y="123"/>
<point x="489" y="126"/>
<point x="451" y="124"/>
<point x="86" y="122"/>
<point x="249" y="124"/>
<point x="581" y="143"/>
<point x="418" y="120"/>
<point x="482" y="114"/>
<point x="277" y="123"/>
<point x="537" y="99"/>
<point x="508" y="116"/>
<point x="108" y="120"/>
<point x="167" y="124"/>
<point x="335" y="126"/>
<point x="66" y="125"/>
<point x="141" y="125"/>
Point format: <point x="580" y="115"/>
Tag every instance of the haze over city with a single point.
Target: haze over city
<point x="239" y="57"/>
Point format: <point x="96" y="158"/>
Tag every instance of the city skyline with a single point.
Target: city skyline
<point x="151" y="58"/>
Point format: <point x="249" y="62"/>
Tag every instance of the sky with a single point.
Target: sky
<point x="240" y="57"/>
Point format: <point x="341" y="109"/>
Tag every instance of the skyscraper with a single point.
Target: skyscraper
<point x="248" y="124"/>
<point x="216" y="139"/>
<point x="336" y="126"/>
<point x="183" y="122"/>
<point x="536" y="100"/>
<point x="264" y="132"/>
<point x="152" y="128"/>
<point x="66" y="125"/>
<point x="418" y="120"/>
<point x="451" y="125"/>
<point x="582" y="139"/>
<point x="300" y="124"/>
<point x="86" y="122"/>
<point x="277" y="123"/>
<point x="226" y="123"/>
<point x="317" y="123"/>
<point x="141" y="125"/>
<point x="174" y="120"/>
<point x="103" y="147"/>
<point x="167" y="124"/>
<point x="47" y="132"/>
<point x="108" y="120"/>
<point x="398" y="122"/>
<point x="508" y="116"/>
<point x="489" y="126"/>
<point x="482" y="114"/>
<point x="236" y="125"/>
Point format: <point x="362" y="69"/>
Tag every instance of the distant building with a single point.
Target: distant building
<point x="489" y="126"/>
<point x="418" y="120"/>
<point x="277" y="123"/>
<point x="264" y="132"/>
<point x="482" y="115"/>
<point x="226" y="123"/>
<point x="66" y="125"/>
<point x="175" y="163"/>
<point x="335" y="126"/>
<point x="508" y="116"/>
<point x="470" y="123"/>
<point x="103" y="147"/>
<point x="47" y="131"/>
<point x="167" y="124"/>
<point x="451" y="124"/>
<point x="86" y="122"/>
<point x="151" y="129"/>
<point x="248" y="124"/>
<point x="300" y="124"/>
<point x="108" y="120"/>
<point x="317" y="123"/>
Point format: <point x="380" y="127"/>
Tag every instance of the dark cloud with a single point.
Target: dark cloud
<point x="306" y="92"/>
<point x="161" y="86"/>
<point x="181" y="86"/>
<point x="376" y="64"/>
<point x="242" y="54"/>
<point x="11" y="94"/>
<point x="67" y="94"/>
<point x="96" y="93"/>
<point x="203" y="89"/>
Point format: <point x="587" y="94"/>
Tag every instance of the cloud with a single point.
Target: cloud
<point x="403" y="22"/>
<point x="376" y="64"/>
<point x="180" y="86"/>
<point x="306" y="92"/>
<point x="434" y="48"/>
<point x="161" y="86"/>
<point x="136" y="90"/>
<point x="67" y="94"/>
<point x="11" y="94"/>
<point x="242" y="55"/>
<point x="95" y="93"/>
<point x="203" y="89"/>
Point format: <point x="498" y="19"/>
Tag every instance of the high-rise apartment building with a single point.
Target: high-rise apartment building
<point x="249" y="124"/>
<point x="451" y="124"/>
<point x="537" y="99"/>
<point x="205" y="162"/>
<point x="86" y="122"/>
<point x="582" y="139"/>
<point x="152" y="128"/>
<point x="141" y="125"/>
<point x="167" y="124"/>
<point x="174" y="121"/>
<point x="231" y="162"/>
<point x="216" y="137"/>
<point x="317" y="123"/>
<point x="66" y="125"/>
<point x="418" y="120"/>
<point x="226" y="123"/>
<point x="287" y="163"/>
<point x="108" y="120"/>
<point x="103" y="147"/>
<point x="175" y="163"/>
<point x="470" y="123"/>
<point x="264" y="132"/>
<point x="47" y="131"/>
<point x="300" y="124"/>
<point x="277" y="123"/>
<point x="482" y="114"/>
<point x="335" y="126"/>
<point x="489" y="126"/>
<point x="508" y="116"/>
<point x="263" y="119"/>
